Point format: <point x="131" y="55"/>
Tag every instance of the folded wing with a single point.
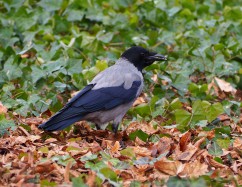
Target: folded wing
<point x="91" y="100"/>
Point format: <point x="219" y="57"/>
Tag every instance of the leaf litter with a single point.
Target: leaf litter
<point x="100" y="158"/>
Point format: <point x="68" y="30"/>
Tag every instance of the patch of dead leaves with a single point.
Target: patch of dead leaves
<point x="220" y="88"/>
<point x="27" y="154"/>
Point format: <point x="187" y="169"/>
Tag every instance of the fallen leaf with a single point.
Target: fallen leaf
<point x="139" y="101"/>
<point x="199" y="142"/>
<point x="142" y="151"/>
<point x="33" y="120"/>
<point x="67" y="172"/>
<point x="185" y="139"/>
<point x="225" y="86"/>
<point x="33" y="138"/>
<point x="3" y="109"/>
<point x="186" y="155"/>
<point x="51" y="140"/>
<point x="115" y="148"/>
<point x="238" y="143"/>
<point x="44" y="167"/>
<point x="194" y="169"/>
<point x="223" y="117"/>
<point x="169" y="167"/>
<point x="163" y="146"/>
<point x="155" y="78"/>
<point x="125" y="174"/>
<point x="26" y="55"/>
<point x="139" y="142"/>
<point x="215" y="164"/>
<point x="20" y="140"/>
<point x="91" y="178"/>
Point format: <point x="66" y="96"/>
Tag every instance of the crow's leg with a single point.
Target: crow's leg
<point x="115" y="127"/>
<point x="97" y="127"/>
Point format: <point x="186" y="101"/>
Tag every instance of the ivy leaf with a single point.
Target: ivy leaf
<point x="128" y="152"/>
<point x="88" y="157"/>
<point x="214" y="149"/>
<point x="224" y="143"/>
<point x="182" y="118"/>
<point x="5" y="125"/>
<point x="104" y="37"/>
<point x="176" y="104"/>
<point x="108" y="173"/>
<point x="215" y="110"/>
<point x="78" y="182"/>
<point x="198" y="110"/>
<point x="140" y="134"/>
<point x="46" y="183"/>
<point x="37" y="73"/>
<point x="176" y="182"/>
<point x="50" y="5"/>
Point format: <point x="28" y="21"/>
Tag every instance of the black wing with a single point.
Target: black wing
<point x="88" y="101"/>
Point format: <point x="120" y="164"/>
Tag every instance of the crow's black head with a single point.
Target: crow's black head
<point x="141" y="57"/>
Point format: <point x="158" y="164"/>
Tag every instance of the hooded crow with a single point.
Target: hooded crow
<point x="109" y="95"/>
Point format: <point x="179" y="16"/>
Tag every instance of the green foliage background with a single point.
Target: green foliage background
<point x="68" y="42"/>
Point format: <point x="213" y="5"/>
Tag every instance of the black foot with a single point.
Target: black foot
<point x="115" y="128"/>
<point x="97" y="127"/>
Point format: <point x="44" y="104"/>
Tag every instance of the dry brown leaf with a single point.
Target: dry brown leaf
<point x="115" y="148"/>
<point x="33" y="120"/>
<point x="187" y="155"/>
<point x="213" y="89"/>
<point x="215" y="164"/>
<point x="225" y="86"/>
<point x="50" y="140"/>
<point x="169" y="167"/>
<point x="142" y="151"/>
<point x="125" y="174"/>
<point x="223" y="117"/>
<point x="221" y="172"/>
<point x="44" y="167"/>
<point x="163" y="146"/>
<point x="95" y="148"/>
<point x="67" y="172"/>
<point x="140" y="171"/>
<point x="155" y="78"/>
<point x="238" y="143"/>
<point x="139" y="101"/>
<point x="139" y="142"/>
<point x="25" y="55"/>
<point x="108" y="144"/>
<point x="239" y="178"/>
<point x="144" y="126"/>
<point x="3" y="109"/>
<point x="234" y="167"/>
<point x="194" y="169"/>
<point x="210" y="134"/>
<point x="33" y="138"/>
<point x="20" y="140"/>
<point x="142" y="168"/>
<point x="199" y="142"/>
<point x="91" y="179"/>
<point x="157" y="175"/>
<point x="185" y="139"/>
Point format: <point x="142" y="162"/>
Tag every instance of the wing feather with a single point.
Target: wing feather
<point x="88" y="101"/>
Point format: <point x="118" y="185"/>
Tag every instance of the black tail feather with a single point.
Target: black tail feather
<point x="51" y="125"/>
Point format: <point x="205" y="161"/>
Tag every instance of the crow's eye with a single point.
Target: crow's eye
<point x="142" y="54"/>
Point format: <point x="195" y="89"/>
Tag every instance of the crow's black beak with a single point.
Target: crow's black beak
<point x="156" y="57"/>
